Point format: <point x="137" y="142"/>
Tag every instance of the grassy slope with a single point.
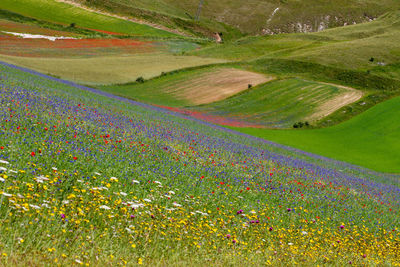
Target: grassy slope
<point x="276" y="104"/>
<point x="96" y="181"/>
<point x="346" y="47"/>
<point x="57" y="12"/>
<point x="339" y="55"/>
<point x="371" y="139"/>
<point x="13" y="17"/>
<point x="110" y="69"/>
<point x="164" y="15"/>
<point x="152" y="91"/>
<point x="255" y="15"/>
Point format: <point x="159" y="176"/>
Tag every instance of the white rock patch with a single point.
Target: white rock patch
<point x="38" y="36"/>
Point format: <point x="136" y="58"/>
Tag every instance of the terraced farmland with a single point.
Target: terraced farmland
<point x="191" y="87"/>
<point x="72" y="48"/>
<point x="284" y="102"/>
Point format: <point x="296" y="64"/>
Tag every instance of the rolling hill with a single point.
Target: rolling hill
<point x="256" y="16"/>
<point x="278" y="146"/>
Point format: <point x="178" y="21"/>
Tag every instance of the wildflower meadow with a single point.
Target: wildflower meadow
<point x="88" y="179"/>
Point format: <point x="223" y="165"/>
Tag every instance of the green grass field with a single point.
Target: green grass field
<point x="109" y="69"/>
<point x="256" y="15"/>
<point x="52" y="11"/>
<point x="153" y="91"/>
<point x="282" y="103"/>
<point x="278" y="103"/>
<point x="190" y="87"/>
<point x="371" y="139"/>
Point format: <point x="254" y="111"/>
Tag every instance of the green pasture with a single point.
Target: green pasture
<point x="371" y="139"/>
<point x="153" y="91"/>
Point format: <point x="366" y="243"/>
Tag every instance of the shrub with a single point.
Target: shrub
<point x="140" y="80"/>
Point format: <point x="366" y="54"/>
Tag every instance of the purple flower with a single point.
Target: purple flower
<point x="228" y="236"/>
<point x="63" y="216"/>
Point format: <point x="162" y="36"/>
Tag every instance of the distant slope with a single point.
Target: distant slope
<point x="371" y="139"/>
<point x="365" y="56"/>
<point x="66" y="14"/>
<point x="263" y="16"/>
<point x="346" y="47"/>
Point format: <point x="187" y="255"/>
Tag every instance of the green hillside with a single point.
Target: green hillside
<point x="364" y="56"/>
<point x="254" y="16"/>
<point x="371" y="139"/>
<point x="349" y="47"/>
<point x="66" y="14"/>
<point x="277" y="103"/>
<point x="284" y="102"/>
<point x="191" y="87"/>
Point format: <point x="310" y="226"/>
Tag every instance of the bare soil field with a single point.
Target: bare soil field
<point x="215" y="86"/>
